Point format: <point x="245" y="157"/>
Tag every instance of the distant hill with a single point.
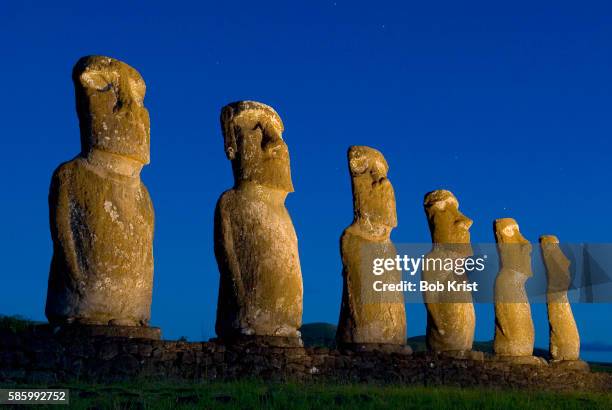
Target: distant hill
<point x="319" y="335"/>
<point x="15" y="323"/>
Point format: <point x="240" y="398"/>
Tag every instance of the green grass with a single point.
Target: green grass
<point x="256" y="394"/>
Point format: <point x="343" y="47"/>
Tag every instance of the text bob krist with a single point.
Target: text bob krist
<point x="411" y="265"/>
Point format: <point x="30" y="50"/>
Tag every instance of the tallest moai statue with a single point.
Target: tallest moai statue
<point x="260" y="289"/>
<point x="101" y="215"/>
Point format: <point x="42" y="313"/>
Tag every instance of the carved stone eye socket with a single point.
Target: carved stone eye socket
<point x="260" y="134"/>
<point x="99" y="81"/>
<point x="509" y="230"/>
<point x="358" y="164"/>
<point x="439" y="206"/>
<point x="378" y="168"/>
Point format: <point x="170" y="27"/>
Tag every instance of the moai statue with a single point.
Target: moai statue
<point x="450" y="314"/>
<point x="370" y="320"/>
<point x="564" y="337"/>
<point x="101" y="215"/>
<point x="514" y="331"/>
<point x="260" y="289"/>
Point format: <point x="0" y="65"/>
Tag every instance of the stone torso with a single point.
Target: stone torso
<point x="102" y="228"/>
<point x="368" y="316"/>
<point x="514" y="331"/>
<point x="451" y="319"/>
<point x="564" y="338"/>
<point x="564" y="341"/>
<point x="261" y="280"/>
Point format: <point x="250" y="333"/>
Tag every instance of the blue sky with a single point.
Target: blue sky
<point x="507" y="105"/>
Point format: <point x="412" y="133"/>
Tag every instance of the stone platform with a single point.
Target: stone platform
<point x="43" y="356"/>
<point x="89" y="331"/>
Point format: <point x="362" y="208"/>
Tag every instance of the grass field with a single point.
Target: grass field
<point x="255" y="395"/>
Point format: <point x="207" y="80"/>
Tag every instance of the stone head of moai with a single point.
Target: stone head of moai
<point x="373" y="195"/>
<point x="252" y="133"/>
<point x="556" y="263"/>
<point x="514" y="250"/>
<point x="447" y="225"/>
<point x="109" y="101"/>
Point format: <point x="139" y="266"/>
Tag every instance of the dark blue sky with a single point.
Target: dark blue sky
<point x="507" y="105"/>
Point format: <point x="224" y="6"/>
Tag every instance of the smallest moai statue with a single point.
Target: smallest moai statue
<point x="514" y="331"/>
<point x="564" y="338"/>
<point x="370" y="320"/>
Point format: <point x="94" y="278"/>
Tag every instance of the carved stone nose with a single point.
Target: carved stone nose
<point x="465" y="222"/>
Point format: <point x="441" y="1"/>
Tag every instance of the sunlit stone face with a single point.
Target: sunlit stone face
<point x="254" y="144"/>
<point x="110" y="105"/>
<point x="514" y="249"/>
<point x="447" y="224"/>
<point x="373" y="195"/>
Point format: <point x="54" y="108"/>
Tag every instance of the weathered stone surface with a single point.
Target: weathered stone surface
<point x="575" y="365"/>
<point x="368" y="317"/>
<point x="462" y="354"/>
<point x="376" y="347"/>
<point x="451" y="319"/>
<point x="135" y="332"/>
<point x="260" y="291"/>
<point x="114" y="359"/>
<point x="564" y="337"/>
<point x="514" y="331"/>
<point x="525" y="359"/>
<point x="265" y="340"/>
<point x="101" y="215"/>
